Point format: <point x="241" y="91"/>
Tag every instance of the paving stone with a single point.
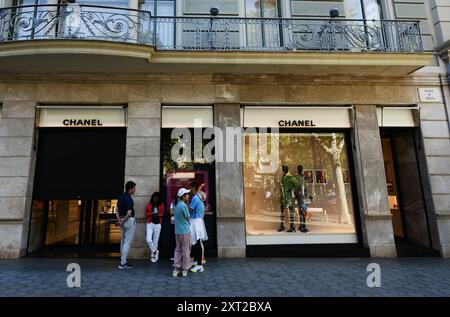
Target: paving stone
<point x="228" y="278"/>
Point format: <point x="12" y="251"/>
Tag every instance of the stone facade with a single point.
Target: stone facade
<point x="230" y="204"/>
<point x="374" y="210"/>
<point x="227" y="93"/>
<point x="16" y="174"/>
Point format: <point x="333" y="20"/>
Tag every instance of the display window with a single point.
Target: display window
<point x="308" y="199"/>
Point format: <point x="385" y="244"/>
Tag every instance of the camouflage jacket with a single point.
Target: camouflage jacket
<point x="289" y="185"/>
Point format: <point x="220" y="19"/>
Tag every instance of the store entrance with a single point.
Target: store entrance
<point x="79" y="175"/>
<point x="176" y="175"/>
<point x="86" y="226"/>
<point x="405" y="191"/>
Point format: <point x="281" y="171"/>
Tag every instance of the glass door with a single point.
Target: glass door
<point x="63" y="222"/>
<point x="81" y="223"/>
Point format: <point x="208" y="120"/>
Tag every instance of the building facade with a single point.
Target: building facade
<point x="95" y="93"/>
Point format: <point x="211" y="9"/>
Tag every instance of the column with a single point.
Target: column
<point x="230" y="190"/>
<point x="434" y="124"/>
<point x="143" y="163"/>
<point x="376" y="219"/>
<point x="16" y="175"/>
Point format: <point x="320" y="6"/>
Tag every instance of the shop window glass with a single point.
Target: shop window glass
<point x="327" y="191"/>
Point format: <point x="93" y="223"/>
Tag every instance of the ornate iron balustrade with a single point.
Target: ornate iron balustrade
<point x="207" y="33"/>
<point x="73" y="21"/>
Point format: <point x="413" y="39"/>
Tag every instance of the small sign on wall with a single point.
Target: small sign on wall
<point x="430" y="94"/>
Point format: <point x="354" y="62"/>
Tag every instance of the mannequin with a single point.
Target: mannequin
<point x="288" y="184"/>
<point x="300" y="194"/>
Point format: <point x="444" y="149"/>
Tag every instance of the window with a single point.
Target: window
<point x="267" y="32"/>
<point x="28" y="2"/>
<point x="324" y="191"/>
<point x="369" y="11"/>
<point x="261" y="9"/>
<point x="107" y="3"/>
<point x="163" y="28"/>
<point x="158" y="7"/>
<point x="363" y="9"/>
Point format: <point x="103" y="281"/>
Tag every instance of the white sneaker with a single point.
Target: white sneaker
<point x="193" y="264"/>
<point x="156" y="256"/>
<point x="175" y="273"/>
<point x="197" y="269"/>
<point x="184" y="273"/>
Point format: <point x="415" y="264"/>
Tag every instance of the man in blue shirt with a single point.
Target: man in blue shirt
<point x="127" y="222"/>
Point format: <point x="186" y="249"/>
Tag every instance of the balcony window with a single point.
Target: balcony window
<point x="262" y="33"/>
<point x="28" y="2"/>
<point x="107" y="3"/>
<point x="163" y="29"/>
<point x="160" y="8"/>
<point x="363" y="9"/>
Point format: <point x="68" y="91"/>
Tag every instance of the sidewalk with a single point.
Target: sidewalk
<point x="228" y="277"/>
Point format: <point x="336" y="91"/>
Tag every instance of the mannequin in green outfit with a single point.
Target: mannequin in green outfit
<point x="289" y="184"/>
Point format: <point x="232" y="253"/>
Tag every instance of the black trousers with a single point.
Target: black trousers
<point x="196" y="252"/>
<point x="302" y="219"/>
<point x="291" y="215"/>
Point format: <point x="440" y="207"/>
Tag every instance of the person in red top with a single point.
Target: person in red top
<point x="155" y="214"/>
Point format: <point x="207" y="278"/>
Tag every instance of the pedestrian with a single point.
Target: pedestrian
<point x="173" y="243"/>
<point x="202" y="193"/>
<point x="204" y="198"/>
<point x="155" y="217"/>
<point x="198" y="229"/>
<point x="127" y="222"/>
<point x="182" y="260"/>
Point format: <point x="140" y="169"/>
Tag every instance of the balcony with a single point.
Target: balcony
<point x="148" y="43"/>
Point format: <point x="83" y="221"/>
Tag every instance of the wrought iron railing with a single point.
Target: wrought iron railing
<point x="73" y="21"/>
<point x="91" y="22"/>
